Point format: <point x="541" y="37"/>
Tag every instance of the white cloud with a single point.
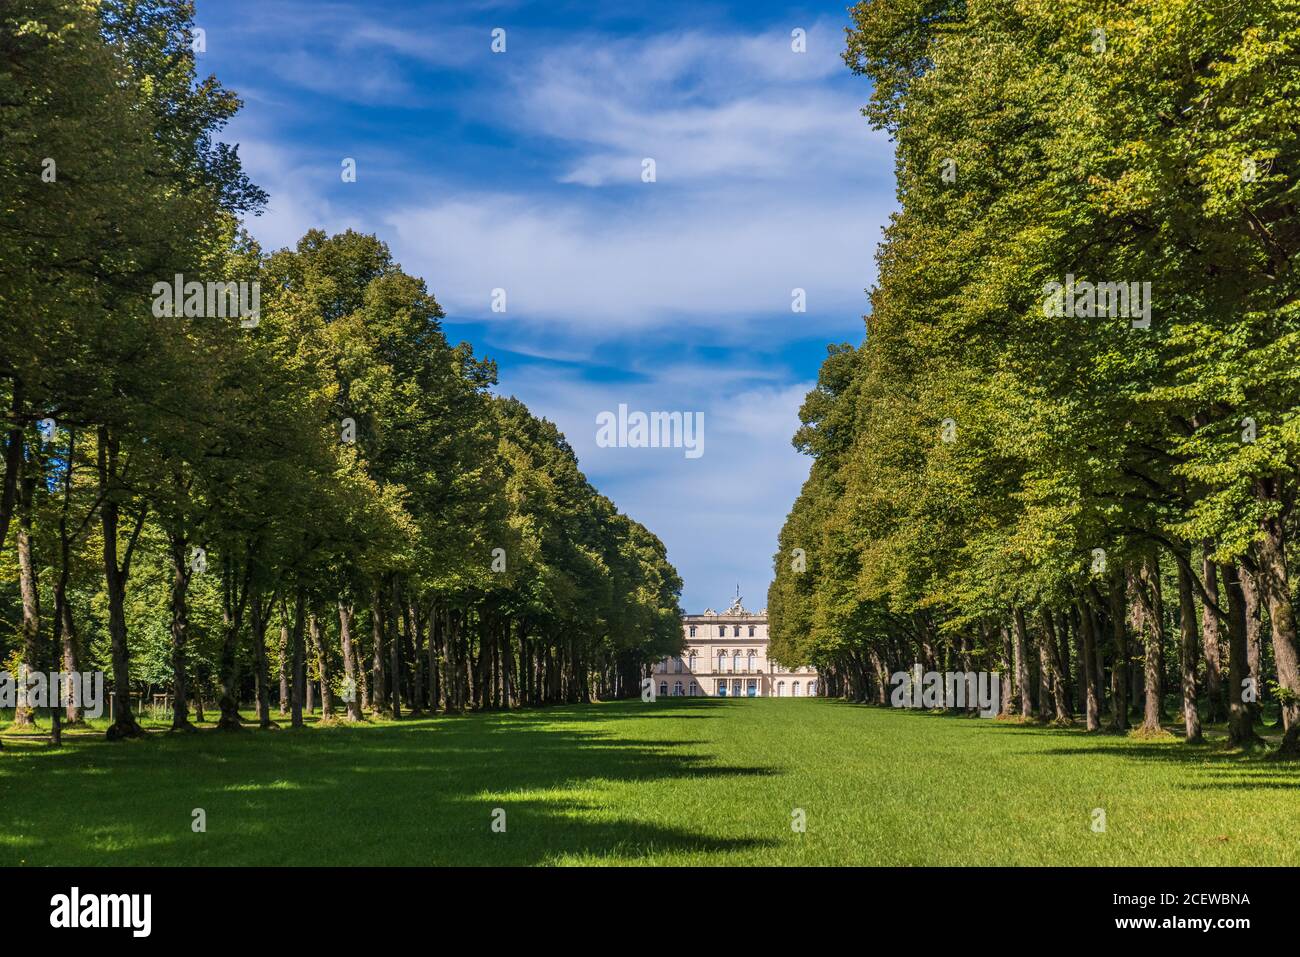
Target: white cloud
<point x="764" y="186"/>
<point x="783" y="135"/>
<point x="700" y="104"/>
<point x="700" y="262"/>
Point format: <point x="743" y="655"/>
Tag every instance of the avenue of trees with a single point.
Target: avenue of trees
<point x="317" y="506"/>
<point x="1098" y="506"/>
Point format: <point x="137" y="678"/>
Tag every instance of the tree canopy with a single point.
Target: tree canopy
<point x="1077" y="388"/>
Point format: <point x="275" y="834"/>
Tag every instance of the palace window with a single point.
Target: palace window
<point x="780" y="689"/>
<point x="692" y="664"/>
<point x="752" y="688"/>
<point x="722" y="660"/>
<point x="751" y="659"/>
<point x="692" y="631"/>
<point x="663" y="667"/>
<point x="663" y="688"/>
<point x="794" y="693"/>
<point x="677" y="665"/>
<point x="735" y="632"/>
<point x="722" y="688"/>
<point x="735" y="687"/>
<point x="735" y="661"/>
<point x="693" y="689"/>
<point x="812" y="688"/>
<point x="677" y="689"/>
<point x="751" y="631"/>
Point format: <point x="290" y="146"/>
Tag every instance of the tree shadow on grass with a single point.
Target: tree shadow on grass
<point x="423" y="792"/>
<point x="1211" y="765"/>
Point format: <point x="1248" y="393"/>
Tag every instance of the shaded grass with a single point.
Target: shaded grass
<point x="680" y="781"/>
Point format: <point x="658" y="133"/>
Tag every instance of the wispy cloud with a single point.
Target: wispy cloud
<point x="704" y="265"/>
<point x="701" y="104"/>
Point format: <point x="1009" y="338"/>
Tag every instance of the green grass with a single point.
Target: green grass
<point x="682" y="781"/>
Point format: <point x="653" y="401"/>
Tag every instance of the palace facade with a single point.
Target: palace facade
<point x="726" y="656"/>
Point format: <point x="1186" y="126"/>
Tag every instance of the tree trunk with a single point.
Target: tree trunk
<point x="115" y="577"/>
<point x="1187" y="653"/>
<point x="284" y="657"/>
<point x="378" y="690"/>
<point x="1270" y="551"/>
<point x="1241" y="731"/>
<point x="1008" y="661"/>
<point x="435" y="679"/>
<point x="1119" y="636"/>
<point x="29" y="588"/>
<point x="395" y="654"/>
<point x="1153" y="633"/>
<point x="350" y="669"/>
<point x="75" y="713"/>
<point x="180" y="627"/>
<point x="1099" y="654"/>
<point x="234" y="596"/>
<point x="1254" y="624"/>
<point x="363" y="675"/>
<point x="1087" y="652"/>
<point x="319" y="649"/>
<point x="260" y="612"/>
<point x="56" y="684"/>
<point x="63" y="645"/>
<point x="1063" y="661"/>
<point x="416" y="626"/>
<point x="299" y="658"/>
<point x="1156" y="588"/>
<point x="452" y="666"/>
<point x="1214" y="687"/>
<point x="1022" y="662"/>
<point x="1049" y="656"/>
<point x="1045" y="704"/>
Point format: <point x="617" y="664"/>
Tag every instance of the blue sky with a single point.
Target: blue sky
<point x="522" y="171"/>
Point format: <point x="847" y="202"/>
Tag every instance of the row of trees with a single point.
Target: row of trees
<point x="1051" y="480"/>
<point x="180" y="479"/>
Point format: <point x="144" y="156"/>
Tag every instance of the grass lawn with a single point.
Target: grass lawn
<point x="681" y="781"/>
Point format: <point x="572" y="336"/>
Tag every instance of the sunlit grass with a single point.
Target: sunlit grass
<point x="681" y="781"/>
